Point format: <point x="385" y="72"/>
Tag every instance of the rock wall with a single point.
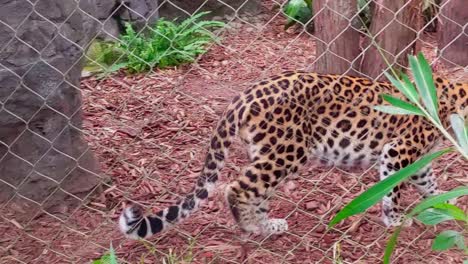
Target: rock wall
<point x="44" y="161"/>
<point x="182" y="9"/>
<point x="143" y="12"/>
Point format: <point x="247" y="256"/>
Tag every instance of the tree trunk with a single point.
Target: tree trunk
<point x="453" y="42"/>
<point x="337" y="41"/>
<point x="394" y="26"/>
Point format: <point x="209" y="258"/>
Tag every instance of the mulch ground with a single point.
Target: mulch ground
<point x="150" y="132"/>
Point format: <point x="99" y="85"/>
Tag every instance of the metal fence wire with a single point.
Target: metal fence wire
<point x="76" y="145"/>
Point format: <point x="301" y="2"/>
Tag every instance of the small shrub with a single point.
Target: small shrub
<point x="165" y="44"/>
<point x="101" y="54"/>
<point x="109" y="258"/>
<point x="302" y="11"/>
<point x="298" y="11"/>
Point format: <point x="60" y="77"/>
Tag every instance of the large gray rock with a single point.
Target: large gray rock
<point x="183" y="9"/>
<point x="138" y="12"/>
<point x="146" y="12"/>
<point x="44" y="161"/>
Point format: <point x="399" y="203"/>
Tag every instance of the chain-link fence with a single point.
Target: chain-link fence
<point x="75" y="144"/>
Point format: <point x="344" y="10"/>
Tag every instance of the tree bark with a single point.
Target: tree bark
<point x="453" y="41"/>
<point x="394" y="26"/>
<point x="337" y="41"/>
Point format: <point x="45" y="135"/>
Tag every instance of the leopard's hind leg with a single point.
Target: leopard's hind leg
<point x="273" y="158"/>
<point x="248" y="199"/>
<point x="426" y="183"/>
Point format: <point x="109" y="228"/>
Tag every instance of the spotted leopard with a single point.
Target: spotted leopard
<point x="294" y="117"/>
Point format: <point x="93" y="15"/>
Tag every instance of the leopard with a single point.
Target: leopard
<point x="296" y="116"/>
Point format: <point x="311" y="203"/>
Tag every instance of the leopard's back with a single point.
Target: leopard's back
<point x="335" y="113"/>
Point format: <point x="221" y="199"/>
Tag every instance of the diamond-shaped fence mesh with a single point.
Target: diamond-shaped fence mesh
<point x="77" y="143"/>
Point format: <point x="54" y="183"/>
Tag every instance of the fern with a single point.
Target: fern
<point x="165" y="44"/>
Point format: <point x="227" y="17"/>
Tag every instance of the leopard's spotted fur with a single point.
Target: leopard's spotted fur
<point x="296" y="116"/>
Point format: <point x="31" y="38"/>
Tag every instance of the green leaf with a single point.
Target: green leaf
<point x="391" y="244"/>
<point x="117" y="66"/>
<point x="425" y="84"/>
<point x="453" y="210"/>
<point x="375" y="193"/>
<point x="433" y="216"/>
<point x="297" y="11"/>
<point x="448" y="239"/>
<point x="461" y="131"/>
<point x="113" y="257"/>
<point x="394" y="110"/>
<point x="438" y="199"/>
<point x="402" y="104"/>
<point x="404" y="87"/>
<point x="109" y="258"/>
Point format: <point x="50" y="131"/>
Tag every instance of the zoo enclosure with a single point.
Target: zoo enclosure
<point x="45" y="165"/>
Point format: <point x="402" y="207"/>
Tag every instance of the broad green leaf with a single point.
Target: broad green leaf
<point x="456" y="212"/>
<point x="402" y="104"/>
<point x="461" y="131"/>
<point x="391" y="244"/>
<point x="465" y="261"/>
<point x="375" y="193"/>
<point x="433" y="216"/>
<point x="425" y="84"/>
<point x="438" y="199"/>
<point x="407" y="89"/>
<point x="297" y="11"/>
<point x="448" y="239"/>
<point x="389" y="109"/>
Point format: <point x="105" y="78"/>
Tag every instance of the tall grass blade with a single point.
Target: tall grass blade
<point x="391" y="244"/>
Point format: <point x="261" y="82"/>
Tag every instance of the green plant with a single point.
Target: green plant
<point x="302" y="11"/>
<point x="109" y="258"/>
<point x="165" y="44"/>
<point x="422" y="101"/>
<point x="433" y="211"/>
<point x="298" y="11"/>
<point x="101" y="55"/>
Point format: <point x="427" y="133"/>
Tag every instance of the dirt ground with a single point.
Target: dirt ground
<point x="150" y="134"/>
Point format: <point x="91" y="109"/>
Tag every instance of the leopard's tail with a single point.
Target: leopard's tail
<point x="134" y="224"/>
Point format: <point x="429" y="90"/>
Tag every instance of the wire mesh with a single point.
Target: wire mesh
<point x="149" y="133"/>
